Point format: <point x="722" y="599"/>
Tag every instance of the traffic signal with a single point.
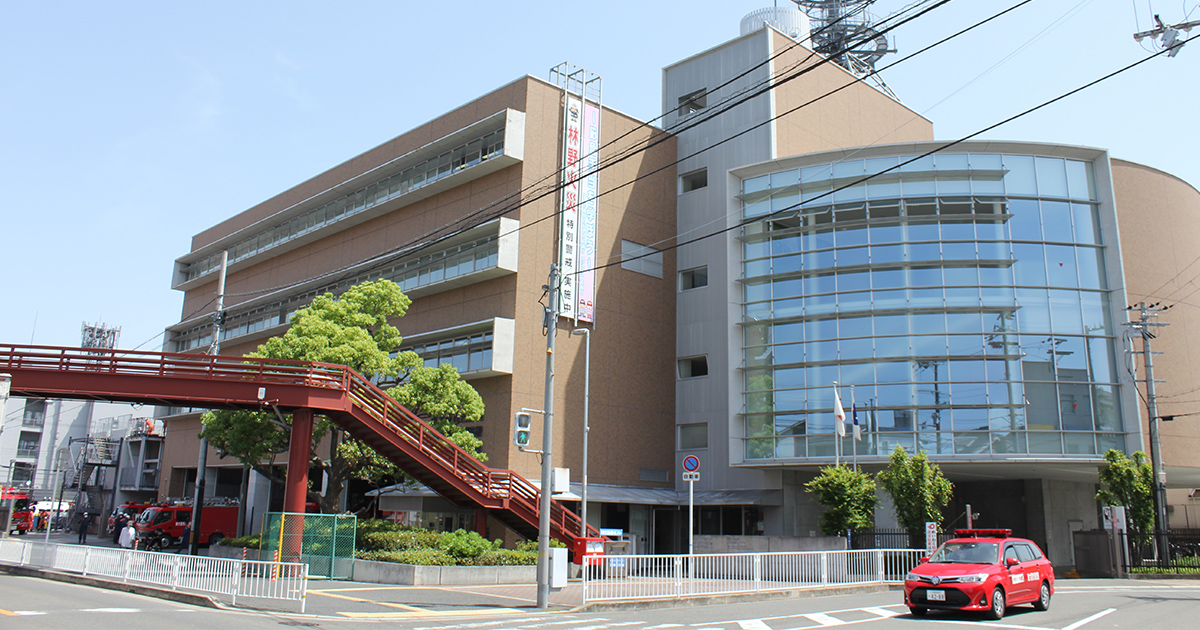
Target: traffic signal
<point x="523" y="424"/>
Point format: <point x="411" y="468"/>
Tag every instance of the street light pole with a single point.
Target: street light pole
<point x="587" y="381"/>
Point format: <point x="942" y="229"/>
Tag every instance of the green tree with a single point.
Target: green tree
<point x="354" y="330"/>
<point x="918" y="489"/>
<point x="1130" y="483"/>
<point x="849" y="499"/>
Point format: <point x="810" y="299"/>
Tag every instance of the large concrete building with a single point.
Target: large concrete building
<point x="970" y="299"/>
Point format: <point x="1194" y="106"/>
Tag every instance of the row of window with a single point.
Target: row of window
<point x="1056" y="311"/>
<point x="943" y="173"/>
<point x="410" y="274"/>
<point x="412" y="178"/>
<point x="944" y="443"/>
<point x="467" y="354"/>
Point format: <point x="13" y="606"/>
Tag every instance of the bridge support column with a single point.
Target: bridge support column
<point x="296" y="489"/>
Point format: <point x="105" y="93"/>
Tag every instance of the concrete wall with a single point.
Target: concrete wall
<point x="393" y="573"/>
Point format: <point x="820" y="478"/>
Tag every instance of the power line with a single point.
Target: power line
<point x="430" y="238"/>
<point x="797" y="206"/>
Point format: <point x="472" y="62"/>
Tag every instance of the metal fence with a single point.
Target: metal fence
<point x="1171" y="551"/>
<point x="221" y="576"/>
<point x="675" y="576"/>
<point x="882" y="538"/>
<point x="325" y="542"/>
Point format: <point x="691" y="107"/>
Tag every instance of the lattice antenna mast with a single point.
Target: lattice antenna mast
<point x="100" y="336"/>
<point x="842" y="31"/>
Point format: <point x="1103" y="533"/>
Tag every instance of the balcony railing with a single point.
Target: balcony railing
<point x="27" y="452"/>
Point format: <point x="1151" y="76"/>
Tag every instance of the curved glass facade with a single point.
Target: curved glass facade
<point x="964" y="296"/>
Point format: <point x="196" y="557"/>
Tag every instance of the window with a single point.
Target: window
<point x="693" y="436"/>
<point x="694" y="102"/>
<point x="642" y="259"/>
<point x="693" y="367"/>
<point x="693" y="278"/>
<point x="692" y="181"/>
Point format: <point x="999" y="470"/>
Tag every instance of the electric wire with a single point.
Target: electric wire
<point x="419" y="243"/>
<point x="798" y="206"/>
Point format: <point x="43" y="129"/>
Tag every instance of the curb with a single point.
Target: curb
<point x="713" y="600"/>
<point x="137" y="589"/>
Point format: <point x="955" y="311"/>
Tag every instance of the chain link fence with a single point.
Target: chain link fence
<point x="325" y="542"/>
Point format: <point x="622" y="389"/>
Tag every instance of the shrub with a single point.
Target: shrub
<point x="253" y="541"/>
<point x="427" y="557"/>
<point x="466" y="545"/>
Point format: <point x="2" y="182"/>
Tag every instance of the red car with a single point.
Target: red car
<point x="980" y="569"/>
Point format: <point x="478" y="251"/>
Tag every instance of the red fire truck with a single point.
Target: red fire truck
<point x="161" y="526"/>
<point x="127" y="511"/>
<point x="22" y="512"/>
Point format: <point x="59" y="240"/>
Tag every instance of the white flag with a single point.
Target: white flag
<point x="839" y="413"/>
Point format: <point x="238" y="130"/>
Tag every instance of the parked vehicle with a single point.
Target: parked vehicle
<point x="161" y="526"/>
<point x="980" y="569"/>
<point x="127" y="510"/>
<point x="22" y="517"/>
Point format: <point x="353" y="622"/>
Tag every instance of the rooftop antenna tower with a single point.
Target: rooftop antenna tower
<point x="842" y="31"/>
<point x="100" y="336"/>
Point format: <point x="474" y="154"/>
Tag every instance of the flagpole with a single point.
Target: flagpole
<point x="854" y="414"/>
<point x="837" y="430"/>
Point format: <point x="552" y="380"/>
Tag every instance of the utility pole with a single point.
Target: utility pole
<point x="202" y="463"/>
<point x="1169" y="34"/>
<point x="1143" y="326"/>
<point x="550" y="324"/>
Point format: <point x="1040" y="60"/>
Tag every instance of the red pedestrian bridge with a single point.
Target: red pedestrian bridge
<point x="303" y="389"/>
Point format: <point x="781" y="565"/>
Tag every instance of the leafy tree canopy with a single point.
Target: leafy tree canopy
<point x="352" y="330"/>
<point x="848" y="496"/>
<point x="1130" y="483"/>
<point x="918" y="489"/>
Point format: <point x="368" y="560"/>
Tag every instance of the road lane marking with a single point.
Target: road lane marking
<point x="1094" y="617"/>
<point x="371" y="601"/>
<point x="882" y="612"/>
<point x="753" y="624"/>
<point x="823" y="619"/>
<point x="9" y="613"/>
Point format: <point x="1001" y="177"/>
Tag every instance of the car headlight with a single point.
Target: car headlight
<point x="912" y="577"/>
<point x="977" y="577"/>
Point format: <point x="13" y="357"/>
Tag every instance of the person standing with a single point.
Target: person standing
<point x="128" y="534"/>
<point x="84" y="524"/>
<point x="118" y="527"/>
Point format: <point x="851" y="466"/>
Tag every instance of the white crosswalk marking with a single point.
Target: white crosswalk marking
<point x="753" y="624"/>
<point x="28" y="613"/>
<point x="823" y="619"/>
<point x="882" y="612"/>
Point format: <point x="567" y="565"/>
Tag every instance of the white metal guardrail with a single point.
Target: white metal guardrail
<point x="223" y="576"/>
<point x="607" y="578"/>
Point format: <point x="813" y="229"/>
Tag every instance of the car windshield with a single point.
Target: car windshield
<point x="967" y="553"/>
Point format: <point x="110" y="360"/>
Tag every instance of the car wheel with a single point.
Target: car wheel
<point x="997" y="609"/>
<point x="917" y="612"/>
<point x="215" y="538"/>
<point x="1043" y="600"/>
<point x="164" y="542"/>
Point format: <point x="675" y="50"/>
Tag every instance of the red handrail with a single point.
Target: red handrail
<point x="492" y="485"/>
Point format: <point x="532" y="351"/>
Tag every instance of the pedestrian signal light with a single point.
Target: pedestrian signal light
<point x="523" y="425"/>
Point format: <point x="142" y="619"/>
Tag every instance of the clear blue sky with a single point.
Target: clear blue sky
<point x="127" y="127"/>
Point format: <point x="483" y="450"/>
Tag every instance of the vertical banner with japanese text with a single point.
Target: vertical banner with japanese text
<point x="568" y="220"/>
<point x="588" y="216"/>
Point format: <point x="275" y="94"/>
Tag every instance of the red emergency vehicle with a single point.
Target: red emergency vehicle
<point x="127" y="511"/>
<point x="161" y="526"/>
<point x="22" y="517"/>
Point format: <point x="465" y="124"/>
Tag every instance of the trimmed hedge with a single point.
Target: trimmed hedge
<point x="385" y="541"/>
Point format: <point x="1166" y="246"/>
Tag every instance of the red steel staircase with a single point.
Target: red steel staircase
<point x="337" y="392"/>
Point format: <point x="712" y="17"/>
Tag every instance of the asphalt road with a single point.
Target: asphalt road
<point x="31" y="603"/>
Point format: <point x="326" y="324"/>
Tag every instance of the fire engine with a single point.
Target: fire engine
<point x="162" y="525"/>
<point x="128" y="510"/>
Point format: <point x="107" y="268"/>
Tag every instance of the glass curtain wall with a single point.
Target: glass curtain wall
<point x="963" y="296"/>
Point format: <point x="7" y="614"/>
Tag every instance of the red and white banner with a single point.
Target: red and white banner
<point x="568" y="220"/>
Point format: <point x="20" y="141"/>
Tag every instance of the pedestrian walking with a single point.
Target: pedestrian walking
<point x="185" y="538"/>
<point x="84" y="524"/>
